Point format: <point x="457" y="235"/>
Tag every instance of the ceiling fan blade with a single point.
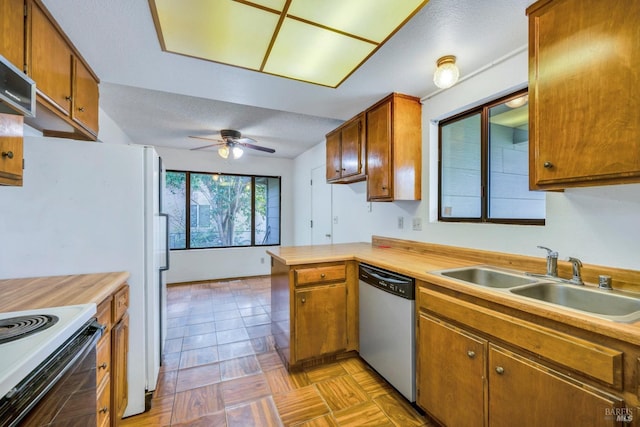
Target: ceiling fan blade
<point x="245" y="140"/>
<point x="206" y="146"/>
<point x="257" y="147"/>
<point x="206" y="139"/>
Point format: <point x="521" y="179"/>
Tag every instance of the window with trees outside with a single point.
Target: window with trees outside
<point x="213" y="210"/>
<point x="484" y="165"/>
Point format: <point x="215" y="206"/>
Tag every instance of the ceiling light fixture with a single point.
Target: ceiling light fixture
<point x="320" y="42"/>
<point x="517" y="102"/>
<point x="447" y="72"/>
<point x="235" y="151"/>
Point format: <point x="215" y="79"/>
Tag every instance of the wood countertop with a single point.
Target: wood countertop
<point x="418" y="260"/>
<point x="53" y="291"/>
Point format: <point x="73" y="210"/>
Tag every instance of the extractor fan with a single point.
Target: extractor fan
<point x="232" y="142"/>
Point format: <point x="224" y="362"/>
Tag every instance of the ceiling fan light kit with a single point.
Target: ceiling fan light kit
<point x="232" y="143"/>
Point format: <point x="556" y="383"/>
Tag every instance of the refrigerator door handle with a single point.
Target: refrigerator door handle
<point x="166" y="244"/>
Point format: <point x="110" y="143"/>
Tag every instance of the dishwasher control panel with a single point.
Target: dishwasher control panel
<point x="388" y="281"/>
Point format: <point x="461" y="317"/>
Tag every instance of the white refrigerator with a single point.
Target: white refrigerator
<point x="89" y="207"/>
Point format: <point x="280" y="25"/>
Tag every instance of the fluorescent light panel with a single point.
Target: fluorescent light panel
<point x="317" y="41"/>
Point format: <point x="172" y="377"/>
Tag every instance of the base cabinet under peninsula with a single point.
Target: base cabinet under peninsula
<point x="313" y="311"/>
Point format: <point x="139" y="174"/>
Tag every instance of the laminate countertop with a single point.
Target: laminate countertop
<point x="53" y="291"/>
<point x="419" y="260"/>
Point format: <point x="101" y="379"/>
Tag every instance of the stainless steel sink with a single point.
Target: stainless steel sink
<point x="488" y="277"/>
<point x="613" y="306"/>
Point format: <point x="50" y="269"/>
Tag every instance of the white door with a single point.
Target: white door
<point x="321" y="225"/>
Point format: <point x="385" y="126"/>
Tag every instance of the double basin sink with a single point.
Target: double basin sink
<point x="617" y="306"/>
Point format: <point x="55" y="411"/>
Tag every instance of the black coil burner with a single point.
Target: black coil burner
<point x="18" y="327"/>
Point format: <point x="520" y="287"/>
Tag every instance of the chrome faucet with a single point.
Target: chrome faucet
<point x="577" y="276"/>
<point x="552" y="262"/>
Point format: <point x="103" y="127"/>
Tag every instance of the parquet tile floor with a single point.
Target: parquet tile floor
<point x="220" y="369"/>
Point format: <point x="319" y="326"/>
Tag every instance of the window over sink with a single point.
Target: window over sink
<point x="484" y="165"/>
<point x="223" y="210"/>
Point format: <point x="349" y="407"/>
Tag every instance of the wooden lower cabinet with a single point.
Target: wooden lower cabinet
<point x="477" y="366"/>
<point x="314" y="311"/>
<point x="525" y="393"/>
<point x="120" y="343"/>
<point x="452" y="364"/>
<point x="321" y="320"/>
<point x="112" y="353"/>
<point x="464" y="380"/>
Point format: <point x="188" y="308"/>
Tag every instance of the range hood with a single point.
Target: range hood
<point x="17" y="90"/>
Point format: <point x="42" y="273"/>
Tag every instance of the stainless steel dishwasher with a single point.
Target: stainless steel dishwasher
<point x="387" y="326"/>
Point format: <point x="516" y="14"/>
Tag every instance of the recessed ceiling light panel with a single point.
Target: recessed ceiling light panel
<point x="316" y="41"/>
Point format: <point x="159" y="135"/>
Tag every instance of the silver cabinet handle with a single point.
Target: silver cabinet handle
<point x="548" y="165"/>
<point x="471" y="354"/>
<point x="7" y="154"/>
<point x="303" y="300"/>
<point x="322" y="275"/>
<point x="499" y="370"/>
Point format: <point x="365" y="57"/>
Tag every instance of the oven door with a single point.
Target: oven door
<point x="62" y="390"/>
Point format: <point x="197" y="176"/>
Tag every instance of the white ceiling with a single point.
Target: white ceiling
<point x="161" y="98"/>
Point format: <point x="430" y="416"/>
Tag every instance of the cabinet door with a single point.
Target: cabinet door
<point x="352" y="148"/>
<point x="320" y="320"/>
<point x="334" y="158"/>
<point x="120" y="348"/>
<point x="12" y="31"/>
<point x="85" y="97"/>
<point x="451" y="373"/>
<point x="11" y="149"/>
<point x="379" y="184"/>
<point x="524" y="393"/>
<point x="583" y="63"/>
<point x="51" y="60"/>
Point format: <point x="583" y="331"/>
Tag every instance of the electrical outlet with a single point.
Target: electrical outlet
<point x="417" y="224"/>
<point x="335" y="219"/>
<point x="369" y="207"/>
<point x="262" y="260"/>
<point x="400" y="222"/>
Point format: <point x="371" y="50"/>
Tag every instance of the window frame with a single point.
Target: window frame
<point x="253" y="206"/>
<point x="483" y="110"/>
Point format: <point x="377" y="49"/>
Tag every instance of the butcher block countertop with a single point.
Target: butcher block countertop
<point x="53" y="291"/>
<point x="418" y="259"/>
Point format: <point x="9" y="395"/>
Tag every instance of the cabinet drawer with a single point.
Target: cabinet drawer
<point x="103" y="357"/>
<point x="120" y="303"/>
<point x="104" y="315"/>
<point x="332" y="273"/>
<point x="588" y="358"/>
<point x="103" y="404"/>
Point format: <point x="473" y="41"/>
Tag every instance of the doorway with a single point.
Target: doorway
<point x="321" y="208"/>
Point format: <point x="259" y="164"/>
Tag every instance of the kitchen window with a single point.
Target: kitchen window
<point x="224" y="210"/>
<point x="484" y="165"/>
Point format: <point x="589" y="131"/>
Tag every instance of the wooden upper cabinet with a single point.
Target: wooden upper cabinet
<point x="394" y="149"/>
<point x="346" y="152"/>
<point x="583" y="75"/>
<point x="85" y="97"/>
<point x="51" y="61"/>
<point x="12" y="31"/>
<point x="11" y="149"/>
<point x="67" y="89"/>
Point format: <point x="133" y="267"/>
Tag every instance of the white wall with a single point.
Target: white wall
<point x="599" y="225"/>
<point x="204" y="264"/>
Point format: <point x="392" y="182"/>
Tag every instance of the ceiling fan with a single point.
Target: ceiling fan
<point x="232" y="142"/>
